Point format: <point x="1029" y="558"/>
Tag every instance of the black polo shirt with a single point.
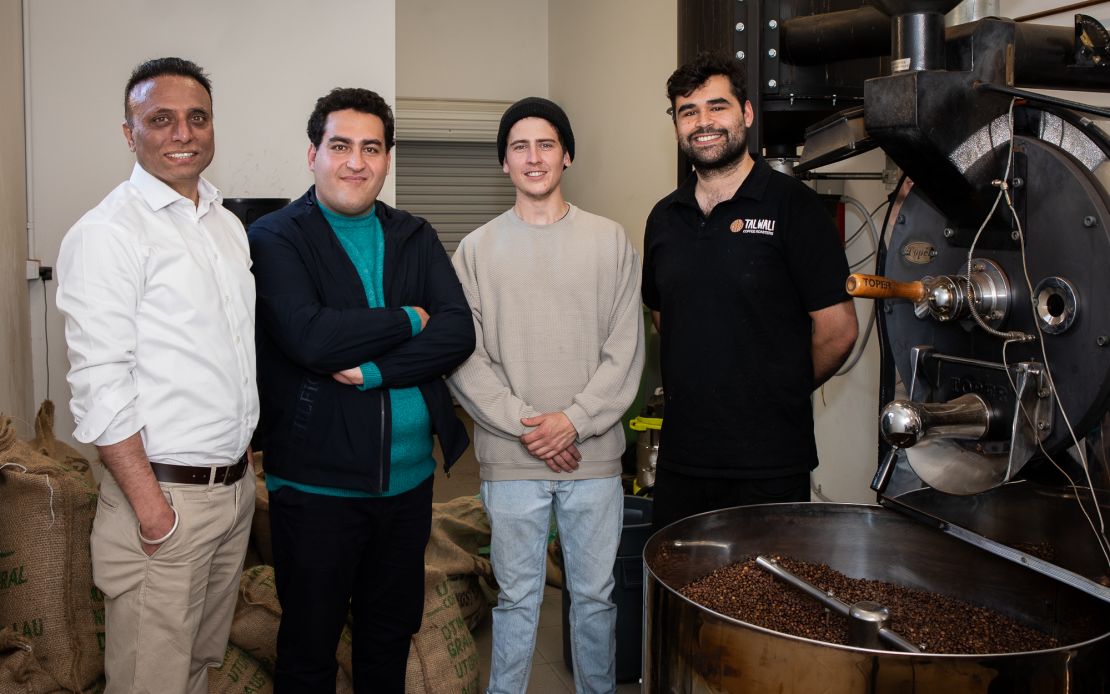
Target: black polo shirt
<point x="735" y="290"/>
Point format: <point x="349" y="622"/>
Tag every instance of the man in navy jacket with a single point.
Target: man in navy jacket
<point x="360" y="315"/>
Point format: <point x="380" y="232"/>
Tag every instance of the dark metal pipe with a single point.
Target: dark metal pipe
<point x="917" y="42"/>
<point x="821" y="38"/>
<point x="858" y="176"/>
<point x="1042" y="55"/>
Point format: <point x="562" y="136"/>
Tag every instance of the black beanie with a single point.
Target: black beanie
<point x="534" y="107"/>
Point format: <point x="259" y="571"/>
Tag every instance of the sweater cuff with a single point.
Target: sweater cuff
<point x="414" y="319"/>
<point x="581" y="421"/>
<point x="371" y="376"/>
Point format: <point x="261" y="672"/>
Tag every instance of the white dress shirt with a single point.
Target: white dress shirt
<point x="158" y="300"/>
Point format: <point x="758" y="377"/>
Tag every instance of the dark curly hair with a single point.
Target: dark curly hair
<point x="686" y="79"/>
<point x="157" y="67"/>
<point x="342" y="98"/>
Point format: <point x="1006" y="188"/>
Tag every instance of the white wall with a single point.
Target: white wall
<point x="846" y="408"/>
<point x="485" y="49"/>
<point x="604" y="62"/>
<point x="268" y="65"/>
<point x="15" y="344"/>
<point x="609" y="62"/>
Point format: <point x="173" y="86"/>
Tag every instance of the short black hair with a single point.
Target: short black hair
<point x="686" y="79"/>
<point x="342" y="98"/>
<point x="157" y="67"/>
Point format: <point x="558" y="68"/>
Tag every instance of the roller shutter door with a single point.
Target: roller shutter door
<point x="457" y="186"/>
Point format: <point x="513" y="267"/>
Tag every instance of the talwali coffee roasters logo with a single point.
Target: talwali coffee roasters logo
<point x="753" y="226"/>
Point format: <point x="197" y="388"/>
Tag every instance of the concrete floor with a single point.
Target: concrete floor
<point x="550" y="675"/>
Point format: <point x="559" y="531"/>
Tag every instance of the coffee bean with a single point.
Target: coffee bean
<point x="942" y="623"/>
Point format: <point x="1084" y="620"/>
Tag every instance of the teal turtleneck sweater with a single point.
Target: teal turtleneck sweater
<point x="410" y="446"/>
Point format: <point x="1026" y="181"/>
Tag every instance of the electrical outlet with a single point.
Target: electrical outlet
<point x="32" y="270"/>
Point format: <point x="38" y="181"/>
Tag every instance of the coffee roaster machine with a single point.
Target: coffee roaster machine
<point x="992" y="292"/>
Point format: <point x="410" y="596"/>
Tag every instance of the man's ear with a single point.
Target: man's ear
<point x="566" y="159"/>
<point x="749" y="114"/>
<point x="311" y="157"/>
<point x="128" y="135"/>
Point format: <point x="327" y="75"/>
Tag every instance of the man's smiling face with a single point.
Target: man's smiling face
<point x="169" y="128"/>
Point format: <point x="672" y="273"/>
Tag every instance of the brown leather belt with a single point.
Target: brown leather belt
<point x="200" y="474"/>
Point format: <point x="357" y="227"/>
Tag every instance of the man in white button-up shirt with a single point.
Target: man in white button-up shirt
<point x="156" y="289"/>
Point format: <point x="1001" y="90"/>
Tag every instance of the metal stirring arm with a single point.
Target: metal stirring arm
<point x="866" y="620"/>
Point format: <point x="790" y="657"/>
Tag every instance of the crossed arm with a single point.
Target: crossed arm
<point x="337" y="341"/>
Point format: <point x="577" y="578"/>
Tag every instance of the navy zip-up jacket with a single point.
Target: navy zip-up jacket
<point x="313" y="320"/>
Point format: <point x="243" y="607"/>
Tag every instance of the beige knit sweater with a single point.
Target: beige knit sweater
<point x="559" y="328"/>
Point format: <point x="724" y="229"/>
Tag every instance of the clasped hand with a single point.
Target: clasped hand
<point x="552" y="441"/>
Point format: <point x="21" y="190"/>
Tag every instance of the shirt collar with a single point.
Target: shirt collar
<point x="158" y="195"/>
<point x="753" y="187"/>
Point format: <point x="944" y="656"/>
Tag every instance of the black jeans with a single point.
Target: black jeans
<point x="334" y="554"/>
<point x="678" y="496"/>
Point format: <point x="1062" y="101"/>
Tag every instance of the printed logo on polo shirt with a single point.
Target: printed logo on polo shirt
<point x="753" y="226"/>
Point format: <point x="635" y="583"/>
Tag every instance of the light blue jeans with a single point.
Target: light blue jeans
<point x="589" y="514"/>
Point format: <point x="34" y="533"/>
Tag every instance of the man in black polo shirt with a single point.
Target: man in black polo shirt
<point x="744" y="274"/>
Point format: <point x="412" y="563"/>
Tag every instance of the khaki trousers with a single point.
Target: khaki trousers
<point x="167" y="617"/>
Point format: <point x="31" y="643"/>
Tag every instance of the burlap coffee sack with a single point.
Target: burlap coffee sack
<point x="46" y="443"/>
<point x="239" y="674"/>
<point x="257" y="616"/>
<point x="46" y="590"/>
<point x="443" y="658"/>
<point x="20" y="671"/>
<point x="472" y="601"/>
<point x="459" y="528"/>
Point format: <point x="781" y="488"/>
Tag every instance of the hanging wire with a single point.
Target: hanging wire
<point x="868" y="223"/>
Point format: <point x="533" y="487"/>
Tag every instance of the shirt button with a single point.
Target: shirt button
<point x="236" y="339"/>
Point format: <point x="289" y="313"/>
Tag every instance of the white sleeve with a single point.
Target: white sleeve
<point x="100" y="285"/>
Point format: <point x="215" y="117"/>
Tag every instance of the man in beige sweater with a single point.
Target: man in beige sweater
<point x="555" y="295"/>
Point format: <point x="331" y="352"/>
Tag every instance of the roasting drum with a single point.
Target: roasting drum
<point x="692" y="649"/>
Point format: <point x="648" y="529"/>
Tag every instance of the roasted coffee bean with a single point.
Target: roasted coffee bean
<point x="1040" y="550"/>
<point x="939" y="623"/>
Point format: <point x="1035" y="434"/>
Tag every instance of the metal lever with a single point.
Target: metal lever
<point x="945" y="297"/>
<point x="904" y="423"/>
<point x="876" y="287"/>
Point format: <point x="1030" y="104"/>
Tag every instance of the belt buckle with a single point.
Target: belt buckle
<point x="212" y="475"/>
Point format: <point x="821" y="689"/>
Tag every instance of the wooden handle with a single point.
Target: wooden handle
<point x="877" y="287"/>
